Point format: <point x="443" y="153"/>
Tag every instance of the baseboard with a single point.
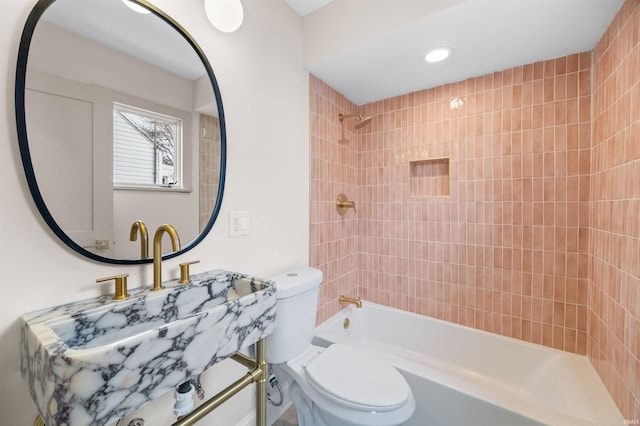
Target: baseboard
<point x="249" y="420"/>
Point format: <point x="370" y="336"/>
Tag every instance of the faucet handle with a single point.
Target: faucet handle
<point x="343" y="204"/>
<point x="184" y="271"/>
<point x="121" y="285"/>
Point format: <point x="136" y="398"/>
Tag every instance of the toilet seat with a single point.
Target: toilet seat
<point x="355" y="378"/>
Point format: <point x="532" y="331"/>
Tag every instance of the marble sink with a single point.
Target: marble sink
<point x="93" y="361"/>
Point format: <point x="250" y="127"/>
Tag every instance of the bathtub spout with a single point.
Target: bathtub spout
<point x="353" y="300"/>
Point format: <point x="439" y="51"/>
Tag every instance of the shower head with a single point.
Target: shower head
<point x="362" y="121"/>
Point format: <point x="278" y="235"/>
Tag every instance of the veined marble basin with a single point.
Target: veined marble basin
<point x="93" y="361"/>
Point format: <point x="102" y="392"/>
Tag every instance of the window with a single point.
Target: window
<point x="146" y="148"/>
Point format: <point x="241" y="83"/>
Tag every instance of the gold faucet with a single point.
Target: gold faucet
<point x="157" y="252"/>
<point x="352" y="300"/>
<point x="139" y="226"/>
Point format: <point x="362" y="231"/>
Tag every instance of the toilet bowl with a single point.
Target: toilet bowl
<point x="333" y="386"/>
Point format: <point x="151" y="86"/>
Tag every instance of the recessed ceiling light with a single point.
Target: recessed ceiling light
<point x="437" y="55"/>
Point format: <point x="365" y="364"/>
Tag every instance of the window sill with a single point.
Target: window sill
<point x="150" y="188"/>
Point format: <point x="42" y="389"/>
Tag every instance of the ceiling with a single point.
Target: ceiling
<point x="374" y="49"/>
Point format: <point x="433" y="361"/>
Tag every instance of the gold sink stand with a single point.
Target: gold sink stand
<point x="257" y="374"/>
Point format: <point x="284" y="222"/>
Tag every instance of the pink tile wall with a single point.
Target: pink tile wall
<point x="506" y="252"/>
<point x="209" y="166"/>
<point x="614" y="316"/>
<point x="334" y="169"/>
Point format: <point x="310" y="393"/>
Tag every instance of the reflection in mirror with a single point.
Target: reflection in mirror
<point x="119" y="120"/>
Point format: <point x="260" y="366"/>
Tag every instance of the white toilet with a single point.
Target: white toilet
<point x="339" y="385"/>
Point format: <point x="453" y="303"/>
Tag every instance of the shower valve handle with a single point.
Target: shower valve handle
<point x="343" y="204"/>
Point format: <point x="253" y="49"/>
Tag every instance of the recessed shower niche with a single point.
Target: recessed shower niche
<point x="429" y="178"/>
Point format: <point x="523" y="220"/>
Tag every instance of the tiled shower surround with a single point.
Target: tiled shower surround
<point x="209" y="166"/>
<point x="614" y="220"/>
<point x="532" y="227"/>
<point x="506" y="250"/>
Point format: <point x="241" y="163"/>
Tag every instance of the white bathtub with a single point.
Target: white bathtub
<point x="463" y="376"/>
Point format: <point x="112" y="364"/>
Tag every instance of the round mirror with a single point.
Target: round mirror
<point x="120" y="122"/>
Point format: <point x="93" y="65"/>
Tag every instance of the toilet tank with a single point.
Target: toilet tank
<point x="297" y="293"/>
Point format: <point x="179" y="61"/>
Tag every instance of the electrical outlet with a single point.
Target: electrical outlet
<point x="238" y="223"/>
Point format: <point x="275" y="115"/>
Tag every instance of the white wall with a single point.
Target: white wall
<point x="265" y="95"/>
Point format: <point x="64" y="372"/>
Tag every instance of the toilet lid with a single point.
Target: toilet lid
<point x="357" y="379"/>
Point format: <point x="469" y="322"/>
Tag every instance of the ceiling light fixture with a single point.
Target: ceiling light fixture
<point x="437" y="55"/>
<point x="225" y="15"/>
<point x="136" y="7"/>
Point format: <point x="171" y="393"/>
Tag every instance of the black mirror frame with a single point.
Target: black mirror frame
<point x="23" y="141"/>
